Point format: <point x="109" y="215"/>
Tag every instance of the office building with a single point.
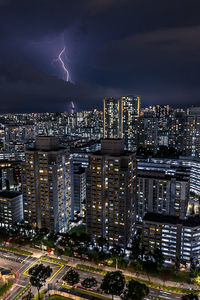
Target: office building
<point x="110" y="179"/>
<point x="46" y="185"/>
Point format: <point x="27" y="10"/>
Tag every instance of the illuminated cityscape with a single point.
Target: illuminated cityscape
<point x="99" y="150"/>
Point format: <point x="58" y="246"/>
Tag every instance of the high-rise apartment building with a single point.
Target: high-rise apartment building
<point x="46" y="185"/>
<point x="147" y="132"/>
<point x="162" y="112"/>
<point x="130" y="113"/>
<point x="112" y="118"/>
<point x="120" y="115"/>
<point x="110" y="200"/>
<point x="192" y="141"/>
<point x="177" y="131"/>
<point x="162" y="192"/>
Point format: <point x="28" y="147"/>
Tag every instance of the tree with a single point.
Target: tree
<point x="88" y="283"/>
<point x="149" y="264"/>
<point x="135" y="291"/>
<point x="59" y="251"/>
<point x="158" y="258"/>
<point x="190" y="297"/>
<point x="102" y="243"/>
<point x="72" y="277"/>
<point x="113" y="283"/>
<point x="165" y="275"/>
<point x="39" y="274"/>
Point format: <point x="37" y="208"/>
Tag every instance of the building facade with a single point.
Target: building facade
<point x="46" y="185"/>
<point x="110" y="197"/>
<point x="163" y="193"/>
<point x="112" y="118"/>
<point x="79" y="189"/>
<point x="11" y="208"/>
<point x="178" y="239"/>
<point x="120" y="119"/>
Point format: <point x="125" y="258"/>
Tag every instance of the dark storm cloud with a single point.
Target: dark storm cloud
<point x="23" y="89"/>
<point x="164" y="63"/>
<point x="136" y="46"/>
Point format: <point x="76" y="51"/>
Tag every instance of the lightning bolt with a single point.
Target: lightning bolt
<point x="63" y="64"/>
<point x="72" y="107"/>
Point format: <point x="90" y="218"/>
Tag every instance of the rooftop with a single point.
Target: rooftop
<point x="9" y="194"/>
<point x="191" y="221"/>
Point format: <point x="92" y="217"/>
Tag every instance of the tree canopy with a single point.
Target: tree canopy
<point x="190" y="297"/>
<point x="89" y="282"/>
<point x="135" y="291"/>
<point x="113" y="283"/>
<point x="72" y="277"/>
<point x="39" y="274"/>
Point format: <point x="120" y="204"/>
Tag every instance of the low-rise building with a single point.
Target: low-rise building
<point x="11" y="208"/>
<point x="179" y="239"/>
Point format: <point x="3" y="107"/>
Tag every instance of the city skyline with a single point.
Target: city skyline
<point x="152" y="52"/>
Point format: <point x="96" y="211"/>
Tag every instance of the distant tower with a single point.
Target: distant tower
<point x="120" y="118"/>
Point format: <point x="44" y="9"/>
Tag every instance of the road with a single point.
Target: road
<point x="154" y="293"/>
<point x="20" y="263"/>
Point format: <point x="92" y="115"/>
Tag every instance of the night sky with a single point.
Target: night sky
<point x="112" y="47"/>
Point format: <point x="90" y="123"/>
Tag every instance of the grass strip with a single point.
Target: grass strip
<point x="42" y="293"/>
<point x="57" y="297"/>
<point x="56" y="260"/>
<point x="15" y="250"/>
<point x="90" y="269"/>
<point x="5" y="288"/>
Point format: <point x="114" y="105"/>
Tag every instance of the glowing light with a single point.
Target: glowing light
<point x="63" y="64"/>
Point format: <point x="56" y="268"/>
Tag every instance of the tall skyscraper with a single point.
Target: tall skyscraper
<point x="130" y="113"/>
<point x="147" y="133"/>
<point x="112" y="118"/>
<point x="120" y="119"/>
<point x="46" y="185"/>
<point x="110" y="200"/>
